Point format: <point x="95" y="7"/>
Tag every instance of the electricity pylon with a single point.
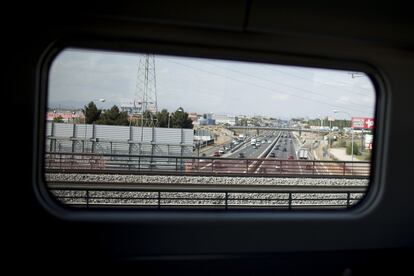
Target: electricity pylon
<point x="146" y="94"/>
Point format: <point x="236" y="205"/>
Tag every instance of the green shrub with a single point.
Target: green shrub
<point x="349" y="149"/>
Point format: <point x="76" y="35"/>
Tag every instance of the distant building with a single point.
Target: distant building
<point x="194" y="117"/>
<point x="206" y="120"/>
<point x="67" y="116"/>
<point x="225" y="119"/>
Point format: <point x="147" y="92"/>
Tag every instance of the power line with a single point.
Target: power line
<point x="266" y="88"/>
<point x="300" y="77"/>
<point x="286" y="85"/>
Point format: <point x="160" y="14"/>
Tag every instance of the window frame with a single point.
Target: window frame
<point x="362" y="209"/>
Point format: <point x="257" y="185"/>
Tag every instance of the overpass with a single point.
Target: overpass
<point x="258" y="128"/>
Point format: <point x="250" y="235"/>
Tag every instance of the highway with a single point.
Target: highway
<point x="281" y="159"/>
<point x="285" y="148"/>
<point x="212" y="149"/>
<point x="250" y="151"/>
<point x="247" y="149"/>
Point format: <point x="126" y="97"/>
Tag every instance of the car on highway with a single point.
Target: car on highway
<point x="272" y="154"/>
<point x="216" y="153"/>
<point x="258" y="144"/>
<point x="221" y="151"/>
<point x="241" y="155"/>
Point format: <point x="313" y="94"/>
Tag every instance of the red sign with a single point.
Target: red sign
<point x="362" y="122"/>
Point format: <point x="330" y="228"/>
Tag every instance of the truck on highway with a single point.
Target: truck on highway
<point x="303" y="154"/>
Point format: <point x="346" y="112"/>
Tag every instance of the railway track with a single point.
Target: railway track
<point x="97" y="194"/>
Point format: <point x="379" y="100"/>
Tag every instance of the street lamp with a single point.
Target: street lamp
<point x="321" y="121"/>
<point x="352" y="128"/>
<point x="320" y="125"/>
<point x="320" y="135"/>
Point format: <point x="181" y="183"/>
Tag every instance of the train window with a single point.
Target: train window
<point x="150" y="131"/>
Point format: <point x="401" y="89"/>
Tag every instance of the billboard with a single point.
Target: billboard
<point x="362" y="122"/>
<point x="368" y="138"/>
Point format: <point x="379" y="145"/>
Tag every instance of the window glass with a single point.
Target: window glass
<point x="161" y="132"/>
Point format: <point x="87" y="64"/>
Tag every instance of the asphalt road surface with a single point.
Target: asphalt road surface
<point x="250" y="151"/>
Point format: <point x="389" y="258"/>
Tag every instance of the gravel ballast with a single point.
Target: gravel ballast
<point x="161" y="179"/>
<point x="236" y="199"/>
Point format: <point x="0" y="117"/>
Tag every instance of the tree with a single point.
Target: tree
<point x="114" y="117"/>
<point x="58" y="119"/>
<point x="180" y="119"/>
<point x="91" y="113"/>
<point x="163" y="118"/>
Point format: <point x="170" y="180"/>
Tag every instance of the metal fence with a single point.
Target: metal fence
<point x="148" y="164"/>
<point x="103" y="139"/>
<point x="93" y="195"/>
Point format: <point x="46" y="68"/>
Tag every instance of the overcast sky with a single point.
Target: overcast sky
<point x="210" y="86"/>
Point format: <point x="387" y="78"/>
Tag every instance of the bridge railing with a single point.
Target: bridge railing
<point x="106" y="163"/>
